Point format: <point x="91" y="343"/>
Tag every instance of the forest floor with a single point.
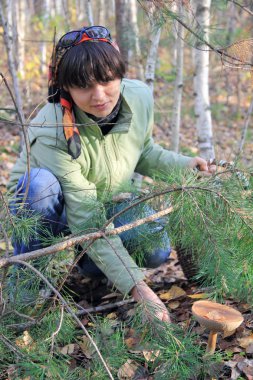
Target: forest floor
<point x="167" y="281"/>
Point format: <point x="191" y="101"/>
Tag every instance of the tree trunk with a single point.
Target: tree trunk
<point x="133" y="26"/>
<point x="21" y="7"/>
<point x="152" y="54"/>
<point x="89" y="12"/>
<point x="11" y="63"/>
<point x="122" y="29"/>
<point x="201" y="85"/>
<point x="178" y="89"/>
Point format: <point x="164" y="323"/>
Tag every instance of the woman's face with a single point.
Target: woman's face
<point x="98" y="99"/>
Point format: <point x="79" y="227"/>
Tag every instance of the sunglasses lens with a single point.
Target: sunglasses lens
<point x="98" y="32"/>
<point x="69" y="38"/>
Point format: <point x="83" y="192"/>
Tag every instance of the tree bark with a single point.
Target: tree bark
<point x="11" y="62"/>
<point x="201" y="85"/>
<point x="178" y="89"/>
<point x="133" y="26"/>
<point x="89" y="12"/>
<point x="121" y="7"/>
<point x="152" y="54"/>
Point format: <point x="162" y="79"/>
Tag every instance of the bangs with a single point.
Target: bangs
<point x="90" y="62"/>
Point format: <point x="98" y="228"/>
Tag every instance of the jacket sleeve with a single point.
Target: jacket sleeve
<point x="79" y="195"/>
<point x="154" y="158"/>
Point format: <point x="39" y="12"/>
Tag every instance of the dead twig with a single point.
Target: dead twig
<point x="68" y="308"/>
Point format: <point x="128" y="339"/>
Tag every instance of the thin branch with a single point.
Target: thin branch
<point x="245" y="129"/>
<point x="100" y="234"/>
<point x="10" y="346"/>
<point x="242" y="7"/>
<point x="68" y="308"/>
<point x="57" y="330"/>
<point x="27" y="145"/>
<point x="80" y="239"/>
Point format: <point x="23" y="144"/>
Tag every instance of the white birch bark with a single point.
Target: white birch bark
<point x="135" y="33"/>
<point x="43" y="45"/>
<point x="101" y="17"/>
<point x="80" y="13"/>
<point x="178" y="89"/>
<point x="89" y="12"/>
<point x="152" y="53"/>
<point x="11" y="63"/>
<point x="21" y="11"/>
<point x="122" y="29"/>
<point x="201" y="84"/>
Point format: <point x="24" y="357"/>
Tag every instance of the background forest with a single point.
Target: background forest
<point x="197" y="58"/>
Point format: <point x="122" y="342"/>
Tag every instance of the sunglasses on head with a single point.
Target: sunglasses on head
<point x="94" y="33"/>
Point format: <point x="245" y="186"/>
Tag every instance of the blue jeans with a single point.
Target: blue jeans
<point x="45" y="197"/>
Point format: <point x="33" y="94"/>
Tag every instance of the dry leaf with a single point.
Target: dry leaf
<point x="245" y="341"/>
<point x="87" y="347"/>
<point x="198" y="296"/>
<point x="128" y="370"/>
<point x="174" y="305"/>
<point x="151" y="356"/>
<point x="174" y="292"/>
<point x="111" y="316"/>
<point x="68" y="349"/>
<point x="25" y="340"/>
<point x="131" y="370"/>
<point x="246" y="366"/>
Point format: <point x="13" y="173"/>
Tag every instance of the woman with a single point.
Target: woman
<point x="94" y="133"/>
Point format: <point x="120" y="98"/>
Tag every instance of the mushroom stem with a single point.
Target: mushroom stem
<point x="211" y="344"/>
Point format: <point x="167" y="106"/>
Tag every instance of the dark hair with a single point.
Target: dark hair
<point x="90" y="62"/>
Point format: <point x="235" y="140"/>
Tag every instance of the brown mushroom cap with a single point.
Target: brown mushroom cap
<point x="215" y="316"/>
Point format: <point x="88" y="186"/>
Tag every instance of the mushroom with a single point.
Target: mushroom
<point x="216" y="318"/>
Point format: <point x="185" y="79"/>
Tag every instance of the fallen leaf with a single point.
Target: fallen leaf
<point x="111" y="316"/>
<point x="245" y="341"/>
<point x="132" y="370"/>
<point x="87" y="347"/>
<point x="68" y="349"/>
<point x="249" y="349"/>
<point x="174" y="305"/>
<point x="25" y="340"/>
<point x="151" y="356"/>
<point x="173" y="293"/>
<point x="198" y="296"/>
<point x="246" y="366"/>
<point x="128" y="370"/>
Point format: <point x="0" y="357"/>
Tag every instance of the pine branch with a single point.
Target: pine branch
<point x="80" y="239"/>
<point x="68" y="308"/>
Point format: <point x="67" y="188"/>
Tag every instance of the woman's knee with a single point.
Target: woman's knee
<point x="43" y="189"/>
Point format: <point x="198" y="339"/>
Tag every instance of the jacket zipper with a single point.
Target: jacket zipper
<point x="115" y="147"/>
<point x="107" y="164"/>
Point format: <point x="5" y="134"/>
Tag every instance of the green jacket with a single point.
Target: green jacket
<point x="106" y="162"/>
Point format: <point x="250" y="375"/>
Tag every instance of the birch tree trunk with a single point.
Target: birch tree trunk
<point x="11" y="62"/>
<point x="121" y="7"/>
<point x="101" y="12"/>
<point x="21" y="10"/>
<point x="80" y="12"/>
<point x="178" y="89"/>
<point x="133" y="26"/>
<point x="89" y="12"/>
<point x="201" y="85"/>
<point x="43" y="45"/>
<point x="152" y="53"/>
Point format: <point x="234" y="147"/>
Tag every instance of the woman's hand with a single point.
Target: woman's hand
<point x="202" y="165"/>
<point x="142" y="292"/>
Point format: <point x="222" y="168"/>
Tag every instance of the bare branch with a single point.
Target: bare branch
<point x="68" y="308"/>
